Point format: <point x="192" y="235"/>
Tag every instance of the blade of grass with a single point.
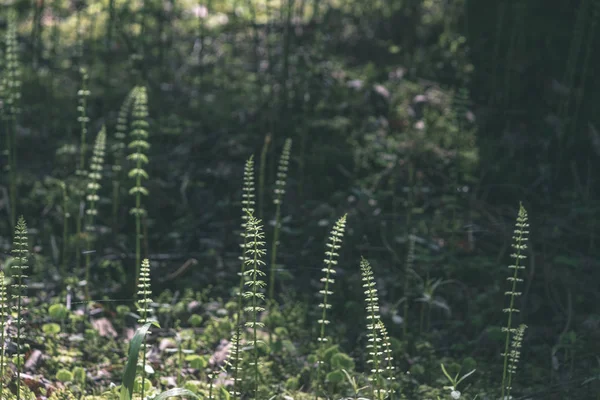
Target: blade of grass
<point x="134" y="352"/>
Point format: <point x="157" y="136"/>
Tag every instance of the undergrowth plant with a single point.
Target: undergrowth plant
<point x="65" y="231"/>
<point x="514" y="356"/>
<point x="248" y="202"/>
<point x="247" y="211"/>
<point x="519" y="246"/>
<point x="139" y="146"/>
<point x="331" y="259"/>
<point x="144" y="310"/>
<point x="374" y="334"/>
<point x="11" y="88"/>
<point x="234" y="361"/>
<point x="94" y="177"/>
<point x="18" y="267"/>
<point x="4" y="314"/>
<point x="83" y="120"/>
<point x="262" y="168"/>
<point x="254" y="294"/>
<point x="280" y="183"/>
<point x="118" y="153"/>
<point x="388" y="359"/>
<point x="408" y="269"/>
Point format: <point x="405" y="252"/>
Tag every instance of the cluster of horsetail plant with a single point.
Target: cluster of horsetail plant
<point x="374" y="345"/>
<point x="11" y="95"/>
<point x="254" y="295"/>
<point x="118" y="153"/>
<point x="20" y="254"/>
<point x="519" y="246"/>
<point x="83" y="120"/>
<point x="4" y="314"/>
<point x="280" y="182"/>
<point x="144" y="300"/>
<point x="331" y="259"/>
<point x="93" y="185"/>
<point x="138" y="145"/>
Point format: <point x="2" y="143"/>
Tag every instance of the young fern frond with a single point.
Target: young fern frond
<point x="375" y="345"/>
<point x="139" y="145"/>
<point x="282" y="170"/>
<point x="11" y="85"/>
<point x="4" y="314"/>
<point x="118" y="151"/>
<point x="514" y="356"/>
<point x="21" y="254"/>
<point x="144" y="311"/>
<point x="94" y="177"/>
<point x="331" y="256"/>
<point x="254" y="294"/>
<point x="519" y="245"/>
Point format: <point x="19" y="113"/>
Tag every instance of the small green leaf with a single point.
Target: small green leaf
<point x="57" y="311"/>
<point x="51" y="328"/>
<point x="447" y="375"/>
<point x="64" y="375"/>
<point x="465" y="376"/>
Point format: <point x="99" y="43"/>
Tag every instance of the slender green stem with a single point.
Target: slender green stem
<point x="274" y="252"/>
<point x="261" y="174"/>
<point x="64" y="256"/>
